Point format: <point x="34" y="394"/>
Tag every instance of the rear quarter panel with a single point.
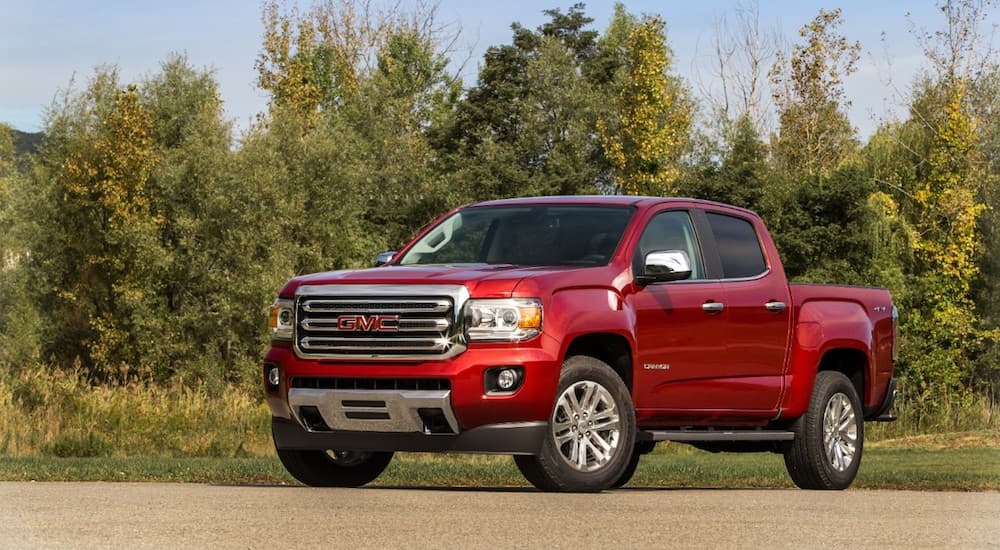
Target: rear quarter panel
<point x="828" y="317"/>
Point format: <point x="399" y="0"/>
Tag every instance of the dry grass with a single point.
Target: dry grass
<point x="58" y="413"/>
<point x="983" y="439"/>
<point x="959" y="414"/>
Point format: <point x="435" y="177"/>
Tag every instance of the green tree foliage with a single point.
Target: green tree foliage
<point x="356" y="100"/>
<point x="816" y="200"/>
<point x="217" y="275"/>
<point x="647" y="135"/>
<point x="527" y="127"/>
<point x="984" y="104"/>
<point x="741" y="175"/>
<point x="933" y="171"/>
<point x="18" y="319"/>
<point x="934" y="185"/>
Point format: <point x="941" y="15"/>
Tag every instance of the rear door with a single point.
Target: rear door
<point x="758" y="316"/>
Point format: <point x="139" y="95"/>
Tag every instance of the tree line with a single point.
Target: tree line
<point x="141" y="242"/>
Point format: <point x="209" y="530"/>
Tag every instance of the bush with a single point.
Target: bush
<point x="71" y="445"/>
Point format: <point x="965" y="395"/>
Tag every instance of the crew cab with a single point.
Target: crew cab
<point x="574" y="333"/>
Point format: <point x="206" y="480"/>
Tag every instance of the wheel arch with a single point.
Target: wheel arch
<point x="611" y="348"/>
<point x="851" y="362"/>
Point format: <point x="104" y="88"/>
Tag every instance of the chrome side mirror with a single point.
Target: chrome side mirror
<point x="384" y="258"/>
<point x="666" y="265"/>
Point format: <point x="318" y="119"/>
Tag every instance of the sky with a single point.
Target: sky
<point x="46" y="44"/>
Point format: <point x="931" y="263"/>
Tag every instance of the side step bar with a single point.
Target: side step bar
<point x="715" y="435"/>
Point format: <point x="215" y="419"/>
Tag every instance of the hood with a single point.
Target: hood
<point x="484" y="281"/>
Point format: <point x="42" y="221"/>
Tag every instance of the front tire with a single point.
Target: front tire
<point x="641" y="448"/>
<point x="829" y="437"/>
<point x="334" y="468"/>
<point x="591" y="435"/>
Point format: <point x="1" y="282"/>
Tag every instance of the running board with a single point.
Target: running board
<point x="716" y="435"/>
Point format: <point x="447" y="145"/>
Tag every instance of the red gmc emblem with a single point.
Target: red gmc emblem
<point x="368" y="323"/>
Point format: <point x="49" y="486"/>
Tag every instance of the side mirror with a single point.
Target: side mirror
<point x="665" y="265"/>
<point x="384" y="258"/>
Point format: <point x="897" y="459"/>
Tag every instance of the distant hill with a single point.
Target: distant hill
<point x="26" y="143"/>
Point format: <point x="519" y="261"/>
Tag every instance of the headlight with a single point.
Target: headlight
<point x="503" y="320"/>
<point x="282" y="319"/>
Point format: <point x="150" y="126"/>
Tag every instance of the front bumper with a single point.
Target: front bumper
<point x="458" y="416"/>
<point x="509" y="438"/>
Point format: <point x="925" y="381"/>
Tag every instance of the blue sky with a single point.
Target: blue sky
<point x="44" y="43"/>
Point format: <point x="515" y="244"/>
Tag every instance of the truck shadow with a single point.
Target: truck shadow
<point x="487" y="489"/>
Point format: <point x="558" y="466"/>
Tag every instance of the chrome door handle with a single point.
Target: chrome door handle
<point x="776" y="307"/>
<point x="713" y="307"/>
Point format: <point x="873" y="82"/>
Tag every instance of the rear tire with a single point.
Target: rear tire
<point x="334" y="468"/>
<point x="591" y="435"/>
<point x="829" y="437"/>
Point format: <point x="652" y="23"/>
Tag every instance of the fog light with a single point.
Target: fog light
<point x="507" y="379"/>
<point x="273" y="377"/>
<point x="504" y="379"/>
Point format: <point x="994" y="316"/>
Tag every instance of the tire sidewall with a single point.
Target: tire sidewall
<point x="561" y="473"/>
<point x="828" y="385"/>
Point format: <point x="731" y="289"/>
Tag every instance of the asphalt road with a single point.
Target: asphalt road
<point x="132" y="515"/>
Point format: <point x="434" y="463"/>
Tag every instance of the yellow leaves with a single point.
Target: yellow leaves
<point x="653" y="120"/>
<point x="110" y="170"/>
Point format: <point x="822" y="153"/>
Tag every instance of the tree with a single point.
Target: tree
<point x="211" y="286"/>
<point x="741" y="53"/>
<point x="946" y="244"/>
<point x="95" y="250"/>
<point x="315" y="60"/>
<point x="18" y="320"/>
<point x="815" y="135"/>
<point x="740" y="177"/>
<point x="933" y="173"/>
<point x="985" y="105"/>
<point x="528" y="126"/>
<point x="816" y="199"/>
<point x="647" y="136"/>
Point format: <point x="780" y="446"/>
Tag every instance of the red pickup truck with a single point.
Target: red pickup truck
<point x="574" y="333"/>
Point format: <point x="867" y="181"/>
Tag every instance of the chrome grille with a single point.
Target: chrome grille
<point x="372" y="321"/>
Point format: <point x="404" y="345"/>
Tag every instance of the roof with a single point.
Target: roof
<point x="610" y="200"/>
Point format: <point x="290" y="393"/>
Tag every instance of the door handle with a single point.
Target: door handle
<point x="713" y="307"/>
<point x="776" y="307"/>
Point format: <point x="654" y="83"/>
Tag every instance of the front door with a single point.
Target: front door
<point x="679" y="325"/>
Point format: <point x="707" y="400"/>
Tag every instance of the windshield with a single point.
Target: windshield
<point x="524" y="235"/>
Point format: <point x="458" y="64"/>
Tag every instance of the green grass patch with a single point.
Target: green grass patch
<point x="963" y="469"/>
<point x="259" y="470"/>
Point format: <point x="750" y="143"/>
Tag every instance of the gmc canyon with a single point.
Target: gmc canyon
<point x="574" y="333"/>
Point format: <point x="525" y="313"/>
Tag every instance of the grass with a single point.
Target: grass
<point x="965" y="468"/>
<point x="52" y="413"/>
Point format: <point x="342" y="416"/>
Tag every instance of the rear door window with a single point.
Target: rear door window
<point x="738" y="245"/>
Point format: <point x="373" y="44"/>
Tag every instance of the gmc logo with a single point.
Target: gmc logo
<point x="368" y="323"/>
